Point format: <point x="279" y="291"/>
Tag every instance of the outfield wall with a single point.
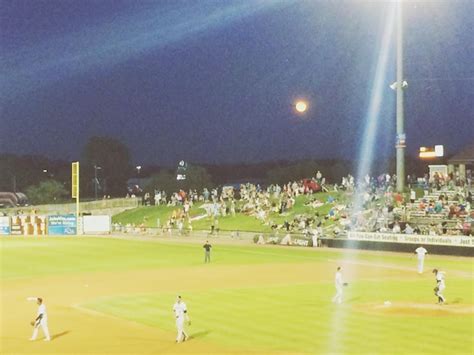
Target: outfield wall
<point x="443" y="245"/>
<point x="95" y="207"/>
<point x="66" y="224"/>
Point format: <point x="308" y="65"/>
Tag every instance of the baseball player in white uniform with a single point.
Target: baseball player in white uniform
<point x="420" y="252"/>
<point x="41" y="319"/>
<point x="181" y="314"/>
<point x="440" y="285"/>
<point x="339" y="285"/>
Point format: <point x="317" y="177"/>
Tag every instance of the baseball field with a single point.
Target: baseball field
<point x="112" y="295"/>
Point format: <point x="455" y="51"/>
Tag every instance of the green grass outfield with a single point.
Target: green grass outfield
<point x="263" y="299"/>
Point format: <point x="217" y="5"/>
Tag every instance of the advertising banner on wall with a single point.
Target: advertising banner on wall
<point x="4" y="225"/>
<point x="62" y="225"/>
<point x="288" y="239"/>
<point x="28" y="224"/>
<point x="452" y="240"/>
<point x="96" y="224"/>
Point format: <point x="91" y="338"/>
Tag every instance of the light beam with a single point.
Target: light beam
<point x="366" y="155"/>
<point x="98" y="49"/>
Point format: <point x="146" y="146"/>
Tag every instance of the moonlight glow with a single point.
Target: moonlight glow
<point x="301" y="106"/>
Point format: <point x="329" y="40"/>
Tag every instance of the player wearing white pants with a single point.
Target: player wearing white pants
<point x="420" y="252"/>
<point x="181" y="314"/>
<point x="339" y="284"/>
<point x="41" y="320"/>
<point x="440" y="285"/>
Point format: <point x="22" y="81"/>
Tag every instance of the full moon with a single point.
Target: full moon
<point x="301" y="106"/>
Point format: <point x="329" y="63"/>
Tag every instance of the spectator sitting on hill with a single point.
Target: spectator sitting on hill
<point x="438" y="208"/>
<point x="396" y="228"/>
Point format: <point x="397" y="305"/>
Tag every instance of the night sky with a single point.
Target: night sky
<point x="215" y="81"/>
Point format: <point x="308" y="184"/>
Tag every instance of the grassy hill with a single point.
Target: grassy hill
<point x="148" y="215"/>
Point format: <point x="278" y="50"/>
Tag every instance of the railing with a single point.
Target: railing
<point x="115" y="203"/>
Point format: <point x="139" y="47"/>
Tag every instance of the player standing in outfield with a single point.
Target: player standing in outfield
<point x="420" y="251"/>
<point x="207" y="254"/>
<point x="41" y="319"/>
<point x="339" y="284"/>
<point x="181" y="314"/>
<point x="440" y="285"/>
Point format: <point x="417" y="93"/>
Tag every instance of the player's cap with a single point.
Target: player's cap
<point x="40" y="300"/>
<point x="435" y="270"/>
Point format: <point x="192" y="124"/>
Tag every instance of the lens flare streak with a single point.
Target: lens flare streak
<point x="102" y="46"/>
<point x="366" y="154"/>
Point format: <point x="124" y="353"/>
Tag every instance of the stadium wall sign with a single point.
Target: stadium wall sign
<point x="62" y="225"/>
<point x="96" y="224"/>
<point x="455" y="240"/>
<point x="27" y="224"/>
<point x="289" y="239"/>
<point x="4" y="225"/>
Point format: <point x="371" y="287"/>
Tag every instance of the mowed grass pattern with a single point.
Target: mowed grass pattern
<point x="60" y="255"/>
<point x="301" y="318"/>
<point x="282" y="313"/>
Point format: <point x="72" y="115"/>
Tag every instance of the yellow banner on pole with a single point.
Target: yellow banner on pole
<point x="75" y="180"/>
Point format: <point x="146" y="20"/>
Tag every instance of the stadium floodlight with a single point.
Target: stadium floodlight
<point x="394" y="85"/>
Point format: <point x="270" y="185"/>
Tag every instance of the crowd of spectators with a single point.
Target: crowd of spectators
<point x="435" y="206"/>
<point x="248" y="199"/>
<point x="443" y="207"/>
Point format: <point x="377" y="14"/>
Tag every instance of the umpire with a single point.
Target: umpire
<point x="207" y="254"/>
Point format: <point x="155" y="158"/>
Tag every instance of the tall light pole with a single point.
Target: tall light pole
<point x="400" y="85"/>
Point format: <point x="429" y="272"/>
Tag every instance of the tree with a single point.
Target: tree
<point x="164" y="180"/>
<point x="293" y="172"/>
<point x="197" y="178"/>
<point x="18" y="172"/>
<point x="113" y="158"/>
<point x="49" y="191"/>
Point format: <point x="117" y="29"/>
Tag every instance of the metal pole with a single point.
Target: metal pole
<point x="95" y="181"/>
<point x="77" y="203"/>
<point x="400" y="145"/>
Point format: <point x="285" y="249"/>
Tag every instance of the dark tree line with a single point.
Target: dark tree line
<point x="109" y="159"/>
<point x="48" y="180"/>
